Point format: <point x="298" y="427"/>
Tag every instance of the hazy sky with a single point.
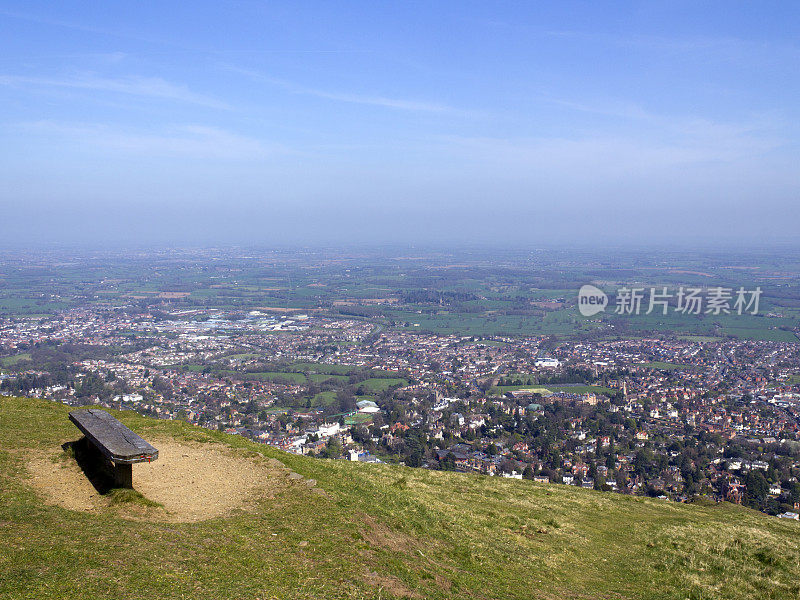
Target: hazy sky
<point x="511" y="122"/>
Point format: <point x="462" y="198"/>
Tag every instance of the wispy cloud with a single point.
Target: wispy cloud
<point x="655" y="145"/>
<point x="152" y="87"/>
<point x="379" y="101"/>
<point x="611" y="156"/>
<point x="194" y="141"/>
<point x="366" y="99"/>
<point x="625" y="110"/>
<point x="755" y="132"/>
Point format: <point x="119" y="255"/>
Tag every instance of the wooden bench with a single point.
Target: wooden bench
<point x="115" y="442"/>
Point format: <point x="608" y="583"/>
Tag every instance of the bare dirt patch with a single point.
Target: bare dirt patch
<point x="380" y="535"/>
<point x="390" y="583"/>
<point x="191" y="482"/>
<point x="63" y="483"/>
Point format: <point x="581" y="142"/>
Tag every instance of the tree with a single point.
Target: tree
<point x="414" y="459"/>
<point x="756" y="488"/>
<point x="333" y="449"/>
<point x="508" y="466"/>
<point x="345" y="402"/>
<point x="643" y="461"/>
<point x="794" y="491"/>
<point x="448" y="463"/>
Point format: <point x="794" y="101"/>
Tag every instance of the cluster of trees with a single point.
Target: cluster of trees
<point x="757" y="495"/>
<point x="435" y="297"/>
<point x="84" y="385"/>
<point x="565" y="376"/>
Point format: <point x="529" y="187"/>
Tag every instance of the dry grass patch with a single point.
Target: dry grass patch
<point x="390" y="584"/>
<point x="380" y="535"/>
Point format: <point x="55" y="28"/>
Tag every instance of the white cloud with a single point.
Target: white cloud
<point x="194" y="141"/>
<point x="371" y="100"/>
<point x="153" y="87"/>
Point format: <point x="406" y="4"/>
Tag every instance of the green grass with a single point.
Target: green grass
<point x="323" y="368"/>
<point x="545" y="388"/>
<point x="277" y="376"/>
<point x="291" y="377"/>
<point x="381" y="384"/>
<point x="320" y="377"/>
<point x="666" y="366"/>
<point x="11" y="361"/>
<point x="562" y="322"/>
<point x="358" y="419"/>
<point x="378" y="529"/>
<point x="243" y="356"/>
<point x="772" y="335"/>
<point x="127" y="496"/>
<point x="323" y="399"/>
<point x="699" y="338"/>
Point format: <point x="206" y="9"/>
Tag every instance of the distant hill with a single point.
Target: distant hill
<point x="223" y="518"/>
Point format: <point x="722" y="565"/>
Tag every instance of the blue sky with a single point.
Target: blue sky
<point x="365" y="122"/>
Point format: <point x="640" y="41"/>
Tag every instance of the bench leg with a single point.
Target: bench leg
<point x="123" y="475"/>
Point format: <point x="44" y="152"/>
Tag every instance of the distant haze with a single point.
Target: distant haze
<point x="373" y="122"/>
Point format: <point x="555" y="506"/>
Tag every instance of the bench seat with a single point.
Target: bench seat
<point x="116" y="442"/>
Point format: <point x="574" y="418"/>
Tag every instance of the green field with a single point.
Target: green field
<point x="753" y="327"/>
<point x="546" y="388"/>
<point x="373" y="531"/>
<point x="323" y="399"/>
<point x="381" y="384"/>
<point x="666" y="366"/>
<point x="11" y="361"/>
<point x="357" y="419"/>
<point x="242" y="356"/>
<point x="323" y="368"/>
<point x="699" y="338"/>
<point x="320" y="377"/>
<point x="289" y="377"/>
<point x="565" y="323"/>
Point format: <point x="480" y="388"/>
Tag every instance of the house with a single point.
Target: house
<point x="460" y="458"/>
<point x="328" y="429"/>
<point x="547" y="362"/>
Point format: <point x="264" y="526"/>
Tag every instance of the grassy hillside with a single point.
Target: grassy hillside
<point x="374" y="531"/>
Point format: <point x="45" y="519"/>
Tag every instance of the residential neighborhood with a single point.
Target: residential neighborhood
<point x="673" y="418"/>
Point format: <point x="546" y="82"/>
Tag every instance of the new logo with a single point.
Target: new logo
<point x="591" y="300"/>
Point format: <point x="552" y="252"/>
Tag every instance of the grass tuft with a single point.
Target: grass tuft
<point x="129" y="496"/>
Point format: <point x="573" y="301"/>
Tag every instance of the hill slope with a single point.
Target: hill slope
<point x="360" y="531"/>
